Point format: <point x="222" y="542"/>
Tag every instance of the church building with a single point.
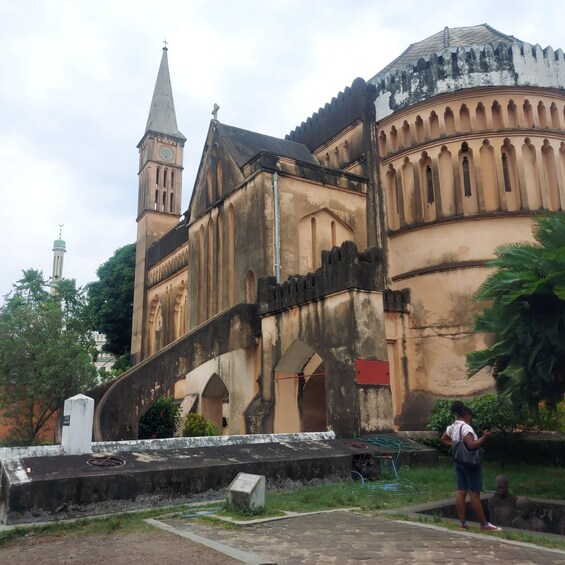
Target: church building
<point x="326" y="280"/>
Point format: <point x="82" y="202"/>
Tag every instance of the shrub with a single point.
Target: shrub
<point x="196" y="425"/>
<point x="492" y="412"/>
<point x="161" y="420"/>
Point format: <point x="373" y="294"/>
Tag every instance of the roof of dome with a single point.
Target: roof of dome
<point x="448" y="38"/>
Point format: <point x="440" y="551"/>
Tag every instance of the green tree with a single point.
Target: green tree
<point x="111" y="303"/>
<point x="526" y="317"/>
<point x="46" y="351"/>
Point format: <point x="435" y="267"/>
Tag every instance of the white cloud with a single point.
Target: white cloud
<point x="77" y="80"/>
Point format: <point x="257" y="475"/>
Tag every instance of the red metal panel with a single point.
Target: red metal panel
<point x="372" y="372"/>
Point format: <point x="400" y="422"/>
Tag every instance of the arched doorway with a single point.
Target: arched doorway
<point x="300" y="390"/>
<point x="214" y="404"/>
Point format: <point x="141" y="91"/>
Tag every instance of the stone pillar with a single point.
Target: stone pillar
<point x="78" y="416"/>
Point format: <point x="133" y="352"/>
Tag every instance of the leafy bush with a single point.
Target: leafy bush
<point x="161" y="420"/>
<point x="496" y="413"/>
<point x="196" y="425"/>
<point x="492" y="412"/>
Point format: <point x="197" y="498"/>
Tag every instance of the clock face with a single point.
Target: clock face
<point x="166" y="153"/>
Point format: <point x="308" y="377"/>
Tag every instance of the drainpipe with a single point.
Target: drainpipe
<point x="277" y="228"/>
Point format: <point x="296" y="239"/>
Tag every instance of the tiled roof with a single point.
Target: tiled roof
<point x="245" y="144"/>
<point x="449" y="37"/>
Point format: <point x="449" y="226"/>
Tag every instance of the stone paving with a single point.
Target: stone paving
<point x="353" y="537"/>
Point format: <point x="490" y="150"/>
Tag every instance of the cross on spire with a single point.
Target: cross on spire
<point x="166" y="43"/>
<point x="215" y="111"/>
<point x="60" y="230"/>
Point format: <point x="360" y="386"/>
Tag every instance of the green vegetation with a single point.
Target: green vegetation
<point x="507" y="445"/>
<point x="46" y="352"/>
<point x="161" y="420"/>
<point x="525" y="317"/>
<point x="196" y="425"/>
<point x="111" y="304"/>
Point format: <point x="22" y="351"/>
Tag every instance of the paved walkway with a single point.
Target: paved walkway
<point x="352" y="537"/>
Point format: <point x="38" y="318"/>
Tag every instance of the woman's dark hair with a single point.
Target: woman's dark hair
<point x="459" y="409"/>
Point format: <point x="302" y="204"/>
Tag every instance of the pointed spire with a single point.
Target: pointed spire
<point x="162" y="117"/>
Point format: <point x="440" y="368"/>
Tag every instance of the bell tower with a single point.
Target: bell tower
<point x="159" y="188"/>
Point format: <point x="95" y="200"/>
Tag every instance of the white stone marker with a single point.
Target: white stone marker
<point x="247" y="490"/>
<point x="78" y="414"/>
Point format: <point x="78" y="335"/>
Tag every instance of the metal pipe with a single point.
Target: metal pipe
<point x="277" y="228"/>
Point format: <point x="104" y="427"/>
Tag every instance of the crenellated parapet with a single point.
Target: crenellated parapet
<point x="344" y="109"/>
<point x="396" y="300"/>
<point x="167" y="244"/>
<point x="342" y="268"/>
<point x="458" y="68"/>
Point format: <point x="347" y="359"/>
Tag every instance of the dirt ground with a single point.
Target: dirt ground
<point x="142" y="548"/>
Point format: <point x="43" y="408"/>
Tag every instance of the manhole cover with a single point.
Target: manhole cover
<point x="106" y="461"/>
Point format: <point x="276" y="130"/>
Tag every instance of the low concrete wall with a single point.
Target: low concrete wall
<point x="57" y="487"/>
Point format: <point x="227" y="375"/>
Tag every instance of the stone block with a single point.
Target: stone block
<point x="247" y="491"/>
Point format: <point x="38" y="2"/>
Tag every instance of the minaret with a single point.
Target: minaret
<point x="160" y="189"/>
<point x="59" y="250"/>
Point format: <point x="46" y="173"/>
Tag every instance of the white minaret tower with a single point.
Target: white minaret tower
<point x="59" y="249"/>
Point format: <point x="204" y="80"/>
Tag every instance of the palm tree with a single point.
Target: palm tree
<point x="526" y="317"/>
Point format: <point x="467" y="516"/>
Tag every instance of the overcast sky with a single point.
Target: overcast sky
<point x="76" y="79"/>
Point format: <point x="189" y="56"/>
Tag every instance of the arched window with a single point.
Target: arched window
<point x="172" y="180"/>
<point x="467" y="191"/>
<point x="449" y="121"/>
<point x="466" y="176"/>
<point x="172" y="203"/>
<point x="481" y="117"/>
<point x="496" y="116"/>
<point x="550" y="174"/>
<point x="434" y="125"/>
<point x="512" y="114"/>
<point x="165" y="178"/>
<point x="382" y="143"/>
<point x="231" y="255"/>
<point x="210" y="284"/>
<point x="506" y="173"/>
<point x="163" y="209"/>
<point x="419" y="129"/>
<point x="156" y="201"/>
<point x="219" y="179"/>
<point x="430" y="184"/>
<point x="406" y="134"/>
<point x="465" y="118"/>
<point x="554" y="116"/>
<point x="528" y="114"/>
<point x="158" y="177"/>
<point x="542" y="115"/>
<point x="334" y="233"/>
<point x="209" y="188"/>
<point x="345" y="152"/>
<point x="393" y="199"/>
<point x="201" y="275"/>
<point x="510" y="176"/>
<point x="394" y="138"/>
<point x="314" y="242"/>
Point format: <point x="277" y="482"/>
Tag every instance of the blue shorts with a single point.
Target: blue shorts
<point x="469" y="478"/>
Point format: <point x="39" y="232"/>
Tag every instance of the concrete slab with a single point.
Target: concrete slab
<point x="69" y="486"/>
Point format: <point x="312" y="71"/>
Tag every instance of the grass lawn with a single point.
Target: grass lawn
<point x="414" y="486"/>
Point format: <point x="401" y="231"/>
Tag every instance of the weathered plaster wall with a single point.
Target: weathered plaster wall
<point x="341" y="328"/>
<point x="460" y="68"/>
<point x="239" y="372"/>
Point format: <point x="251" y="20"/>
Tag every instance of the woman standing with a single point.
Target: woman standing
<point x="469" y="479"/>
